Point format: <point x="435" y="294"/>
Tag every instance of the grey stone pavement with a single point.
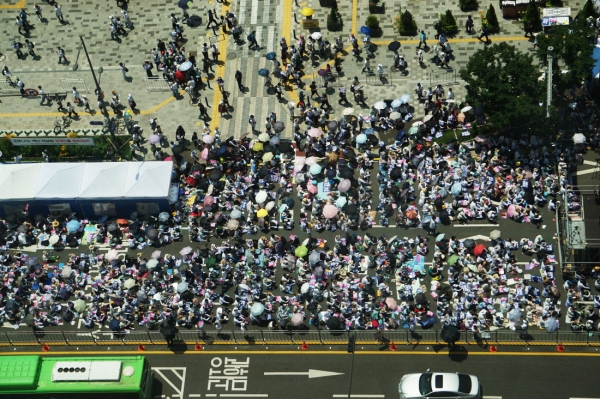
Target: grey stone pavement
<point x="270" y="18"/>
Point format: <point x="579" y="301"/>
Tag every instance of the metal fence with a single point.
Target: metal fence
<point x="79" y="84"/>
<point x="8" y="87"/>
<point x="156" y="84"/>
<point x="445" y="77"/>
<point x="297" y="337"/>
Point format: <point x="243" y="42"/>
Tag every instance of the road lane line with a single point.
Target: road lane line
<point x="195" y="395"/>
<point x="220" y="71"/>
<point x="211" y="395"/>
<point x="245" y="395"/>
<point x="345" y="395"/>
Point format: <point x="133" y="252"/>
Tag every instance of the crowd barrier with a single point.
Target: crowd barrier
<point x="297" y="337"/>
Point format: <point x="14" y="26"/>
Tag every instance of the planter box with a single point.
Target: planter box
<point x="376" y="32"/>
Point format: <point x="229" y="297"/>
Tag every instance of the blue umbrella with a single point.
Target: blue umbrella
<point x="222" y="150"/>
<point x="400" y="135"/>
<point x="271" y="56"/>
<point x="405" y="98"/>
<point x="264" y="72"/>
<point x="73" y="226"/>
<point x="361" y="138"/>
<point x="456" y="188"/>
<point x="315" y="169"/>
<point x="340" y="202"/>
<point x="365" y="30"/>
<point x="396" y="103"/>
<point x="185" y="4"/>
<point x="369" y="131"/>
<point x="114" y="325"/>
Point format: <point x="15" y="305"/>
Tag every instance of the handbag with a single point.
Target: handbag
<point x="126" y="69"/>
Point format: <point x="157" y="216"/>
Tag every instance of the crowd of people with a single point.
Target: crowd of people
<point x="254" y="262"/>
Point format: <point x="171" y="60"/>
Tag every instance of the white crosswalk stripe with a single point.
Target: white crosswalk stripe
<point x="254" y="13"/>
<point x="242" y="12"/>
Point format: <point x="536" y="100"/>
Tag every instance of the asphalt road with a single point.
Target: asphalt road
<point x="320" y="375"/>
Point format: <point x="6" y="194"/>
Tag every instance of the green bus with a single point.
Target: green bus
<point x="37" y="377"/>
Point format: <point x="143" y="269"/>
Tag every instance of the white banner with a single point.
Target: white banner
<point x="557" y="12"/>
<point x="555" y="21"/>
<point x="18" y="141"/>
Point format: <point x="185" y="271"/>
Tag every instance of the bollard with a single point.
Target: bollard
<point x="45" y="348"/>
<point x="493" y="348"/>
<point x="198" y="347"/>
<point x="141" y="348"/>
<point x="393" y="346"/>
<point x="560" y="347"/>
<point x="304" y="345"/>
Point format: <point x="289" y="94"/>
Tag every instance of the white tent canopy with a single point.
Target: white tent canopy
<point x="102" y="180"/>
<point x="16" y="180"/>
<point x="59" y="180"/>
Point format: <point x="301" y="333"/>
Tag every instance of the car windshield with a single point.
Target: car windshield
<point x="464" y="383"/>
<point x="425" y="383"/>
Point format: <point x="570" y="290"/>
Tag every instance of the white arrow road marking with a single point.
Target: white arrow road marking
<point x="478" y="237"/>
<point x="310" y="373"/>
<point x="475" y="225"/>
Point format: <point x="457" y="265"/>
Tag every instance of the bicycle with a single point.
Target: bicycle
<point x="60" y="126"/>
<point x="119" y="125"/>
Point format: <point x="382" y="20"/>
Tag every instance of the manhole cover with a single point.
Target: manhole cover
<point x="231" y="56"/>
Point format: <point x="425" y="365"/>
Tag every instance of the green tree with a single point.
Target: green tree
<point x="505" y="82"/>
<point x="492" y="19"/>
<point x="448" y="23"/>
<point x="587" y="11"/>
<point x="571" y="52"/>
<point x="532" y="17"/>
<point x="405" y="24"/>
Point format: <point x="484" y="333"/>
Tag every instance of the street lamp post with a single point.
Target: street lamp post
<point x="549" y="82"/>
<point x="98" y="89"/>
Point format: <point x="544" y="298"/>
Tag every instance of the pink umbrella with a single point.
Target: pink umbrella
<point x="315" y="132"/>
<point x="411" y="214"/>
<point x="344" y="185"/>
<point x="299" y="164"/>
<point x="208" y="138"/>
<point x="208" y="200"/>
<point x="312" y="188"/>
<point x="297" y="319"/>
<point x="329" y="211"/>
<point x="204" y="154"/>
<point x="155" y="255"/>
<point x="154" y="139"/>
<point x="391" y="303"/>
<point x="511" y="211"/>
<point x="168" y="159"/>
<point x="311" y="161"/>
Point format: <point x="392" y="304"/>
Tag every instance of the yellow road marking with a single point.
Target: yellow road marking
<point x="82" y="115"/>
<point x="354" y="15"/>
<point x="219" y="71"/>
<point x="296" y="352"/>
<point x="286" y="30"/>
<point x="20" y="4"/>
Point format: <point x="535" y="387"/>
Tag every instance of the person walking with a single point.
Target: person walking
<point x="366" y="65"/>
<point x="324" y="101"/>
<point x="211" y="20"/>
<point x="21" y="86"/>
<point x="238" y="79"/>
<point x="38" y="11"/>
<point x="17" y="47"/>
<point x="75" y="95"/>
<point x="61" y="54"/>
<point x="124" y="70"/>
<point x="484" y="33"/>
<point x="131" y="102"/>
<point x="203" y="111"/>
<point x="380" y="72"/>
<point x="85" y="103"/>
<point x="313" y="89"/>
<point x="21" y="25"/>
<point x="422" y="39"/>
<point x="252" y="123"/>
<point x="30" y="47"/>
<point x="175" y="89"/>
<point x="279" y="91"/>
<point x="71" y="111"/>
<point x="147" y="65"/>
<point x="215" y="53"/>
<point x="59" y="13"/>
<point x="42" y="95"/>
<point x="221" y="84"/>
<point x="469" y="24"/>
<point x="529" y="29"/>
<point x="252" y="39"/>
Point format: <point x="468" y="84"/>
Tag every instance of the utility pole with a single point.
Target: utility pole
<point x="549" y="82"/>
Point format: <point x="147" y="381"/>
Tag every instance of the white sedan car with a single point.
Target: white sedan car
<point x="439" y="385"/>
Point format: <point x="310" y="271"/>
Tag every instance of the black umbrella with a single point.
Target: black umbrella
<point x="388" y="210"/>
<point x="346" y="173"/>
<point x="450" y="334"/>
<point x="112" y="227"/>
<point x="278" y="127"/>
<point x="396" y="173"/>
<point x="183" y="4"/>
<point x="351" y="209"/>
<point x="330" y="173"/>
<point x="332" y="125"/>
<point x="444" y="217"/>
<point x="285" y="146"/>
<point x="196" y="270"/>
<point x="215" y="174"/>
<point x="39" y="218"/>
<point x="177" y="149"/>
<point x="263" y="172"/>
<point x="152" y="234"/>
<point x="134" y="227"/>
<point x="22" y="229"/>
<point x="469" y="243"/>
<point x="334" y="323"/>
<point x="142" y="297"/>
<point x="12" y="219"/>
<point x="420" y="298"/>
<point x="393" y="46"/>
<point x="289" y="201"/>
